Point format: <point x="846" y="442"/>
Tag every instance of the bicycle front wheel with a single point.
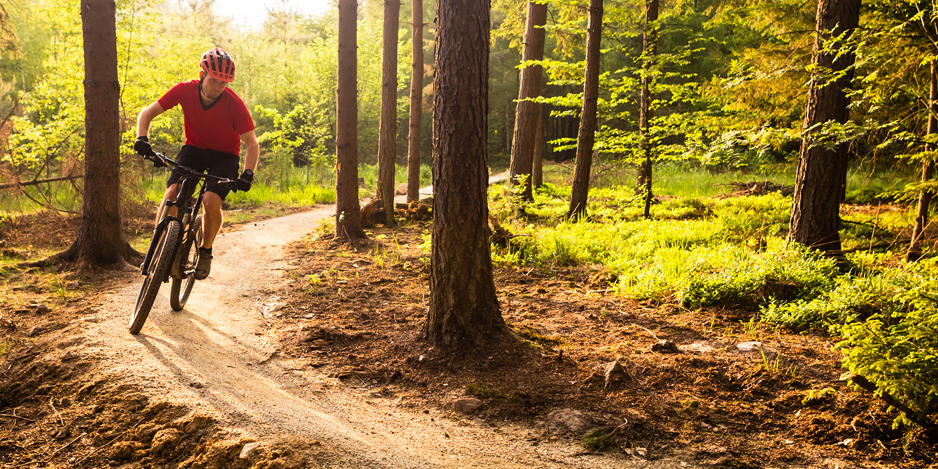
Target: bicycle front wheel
<point x="155" y="274"/>
<point x="182" y="286"/>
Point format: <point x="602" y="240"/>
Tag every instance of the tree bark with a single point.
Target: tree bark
<point x="387" y="129"/>
<point x="347" y="209"/>
<point x="100" y="241"/>
<point x="416" y="105"/>
<point x="646" y="112"/>
<point x="537" y="168"/>
<point x="820" y="183"/>
<point x="928" y="170"/>
<point x="522" y="147"/>
<point x="463" y="306"/>
<point x="586" y="133"/>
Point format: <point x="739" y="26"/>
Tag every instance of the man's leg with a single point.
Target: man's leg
<point x="212" y="220"/>
<point x="211" y="223"/>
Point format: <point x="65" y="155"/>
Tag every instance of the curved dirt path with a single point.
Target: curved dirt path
<point x="215" y="358"/>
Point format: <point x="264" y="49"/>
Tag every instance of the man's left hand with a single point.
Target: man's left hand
<point x="245" y="181"/>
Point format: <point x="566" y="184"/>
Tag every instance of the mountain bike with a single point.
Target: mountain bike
<point x="174" y="250"/>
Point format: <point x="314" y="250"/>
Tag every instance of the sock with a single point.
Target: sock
<point x="206" y="251"/>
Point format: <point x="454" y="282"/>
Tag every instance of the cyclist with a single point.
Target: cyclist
<point x="216" y="122"/>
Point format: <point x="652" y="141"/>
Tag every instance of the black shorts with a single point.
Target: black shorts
<point x="218" y="163"/>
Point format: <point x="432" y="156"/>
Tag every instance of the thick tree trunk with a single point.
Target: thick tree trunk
<point x="820" y="184"/>
<point x="646" y="112"/>
<point x="463" y="305"/>
<point x="537" y="168"/>
<point x="347" y="209"/>
<point x="416" y="106"/>
<point x="522" y="147"/>
<point x="585" y="136"/>
<point x="928" y="170"/>
<point x="100" y="241"/>
<point x="387" y="129"/>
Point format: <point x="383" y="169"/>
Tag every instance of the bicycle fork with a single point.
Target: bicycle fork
<point x="179" y="260"/>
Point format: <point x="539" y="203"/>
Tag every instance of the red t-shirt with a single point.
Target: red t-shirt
<point x="216" y="128"/>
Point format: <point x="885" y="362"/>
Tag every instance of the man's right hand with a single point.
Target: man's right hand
<point x="143" y="148"/>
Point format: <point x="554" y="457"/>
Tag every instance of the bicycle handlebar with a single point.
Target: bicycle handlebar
<point x="189" y="172"/>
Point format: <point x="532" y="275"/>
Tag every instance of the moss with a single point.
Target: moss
<point x="532" y="335"/>
<point x="819" y="397"/>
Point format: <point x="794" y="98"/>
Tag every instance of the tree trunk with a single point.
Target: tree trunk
<point x="585" y="136"/>
<point x="537" y="168"/>
<point x="416" y="106"/>
<point x="928" y="170"/>
<point x="646" y="112"/>
<point x="522" y="147"/>
<point x="387" y="129"/>
<point x="463" y="305"/>
<point x="820" y="183"/>
<point x="347" y="217"/>
<point x="100" y="241"/>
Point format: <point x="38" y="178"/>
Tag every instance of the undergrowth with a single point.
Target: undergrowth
<point x="732" y="252"/>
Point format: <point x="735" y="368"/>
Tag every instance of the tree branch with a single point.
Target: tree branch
<point x="865" y="384"/>
<point x="36" y="182"/>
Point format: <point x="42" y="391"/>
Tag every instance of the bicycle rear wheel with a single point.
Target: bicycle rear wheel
<point x="182" y="286"/>
<point x="155" y="274"/>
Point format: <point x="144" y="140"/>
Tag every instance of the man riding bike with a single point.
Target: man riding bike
<point x="216" y="122"/>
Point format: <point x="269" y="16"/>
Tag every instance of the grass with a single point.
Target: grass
<point x="702" y="251"/>
<point x="61" y="195"/>
<point x="692" y="180"/>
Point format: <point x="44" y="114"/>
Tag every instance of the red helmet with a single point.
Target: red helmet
<point x="218" y="64"/>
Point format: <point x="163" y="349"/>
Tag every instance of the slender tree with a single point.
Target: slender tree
<point x="387" y="130"/>
<point x="522" y="147"/>
<point x="820" y="183"/>
<point x="100" y="241"/>
<point x="347" y="209"/>
<point x="928" y="171"/>
<point x="586" y="133"/>
<point x="646" y="112"/>
<point x="463" y="305"/>
<point x="537" y="168"/>
<point x="416" y="105"/>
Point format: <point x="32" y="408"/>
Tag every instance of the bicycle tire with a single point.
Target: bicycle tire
<point x="156" y="273"/>
<point x="182" y="286"/>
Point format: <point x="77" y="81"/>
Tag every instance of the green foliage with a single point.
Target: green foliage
<point x="896" y="349"/>
<point x="286" y="74"/>
<point x="704" y="253"/>
<point x="886" y="319"/>
<point x="747" y="218"/>
<point x="850" y="298"/>
<point x="292" y="191"/>
<point x="819" y="397"/>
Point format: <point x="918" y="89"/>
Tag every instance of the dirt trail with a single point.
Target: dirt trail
<point x="216" y="358"/>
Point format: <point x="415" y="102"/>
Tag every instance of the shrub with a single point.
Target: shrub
<point x="897" y="352"/>
<point x="852" y="298"/>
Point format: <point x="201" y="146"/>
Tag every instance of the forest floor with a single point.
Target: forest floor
<point x="312" y="349"/>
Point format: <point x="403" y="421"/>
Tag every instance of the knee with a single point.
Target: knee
<point x="212" y="202"/>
